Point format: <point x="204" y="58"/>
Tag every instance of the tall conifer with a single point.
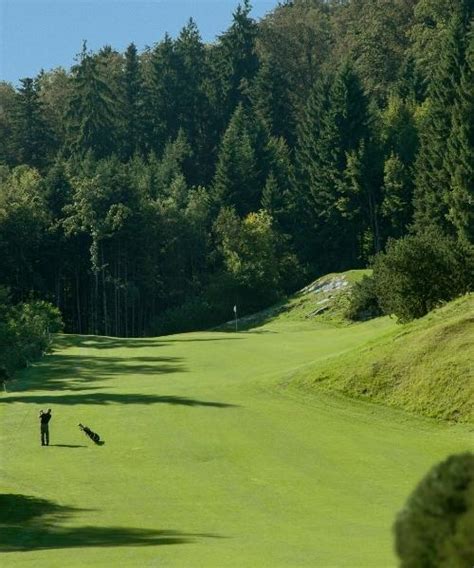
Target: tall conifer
<point x="132" y="107"/>
<point x="236" y="182"/>
<point x="460" y="156"/>
<point x="32" y="136"/>
<point x="91" y="113"/>
<point x="432" y="177"/>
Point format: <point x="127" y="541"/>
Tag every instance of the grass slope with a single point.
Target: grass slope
<point x="207" y="461"/>
<point x="324" y="300"/>
<point x="424" y="367"/>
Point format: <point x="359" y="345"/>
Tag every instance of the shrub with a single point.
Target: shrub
<point x="363" y="302"/>
<point x="194" y="314"/>
<point x="419" y="272"/>
<point x="436" y="527"/>
<point x="25" y="331"/>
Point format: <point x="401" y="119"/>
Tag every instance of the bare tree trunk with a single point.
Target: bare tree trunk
<point x="126" y="295"/>
<point x="96" y="301"/>
<point x="104" y="293"/>
<point x="374" y="222"/>
<point x="78" y="302"/>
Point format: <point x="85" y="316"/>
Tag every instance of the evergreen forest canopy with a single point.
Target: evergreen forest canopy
<point x="150" y="192"/>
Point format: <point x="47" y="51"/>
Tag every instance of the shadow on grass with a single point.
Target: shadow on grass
<point x="29" y="523"/>
<point x="100" y="342"/>
<point x="110" y="398"/>
<point x="79" y="372"/>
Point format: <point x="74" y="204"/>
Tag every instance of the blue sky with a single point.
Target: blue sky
<point x="37" y="34"/>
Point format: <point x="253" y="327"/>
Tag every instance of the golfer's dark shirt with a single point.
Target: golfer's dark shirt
<point x="45" y="418"/>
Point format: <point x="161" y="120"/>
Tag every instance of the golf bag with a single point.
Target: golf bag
<point x="92" y="435"/>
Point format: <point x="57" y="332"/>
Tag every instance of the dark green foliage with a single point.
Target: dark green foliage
<point x="91" y="113"/>
<point x="364" y="303"/>
<point x="397" y="208"/>
<point x="32" y="135"/>
<point x="337" y="198"/>
<point x="327" y="126"/>
<point x="297" y="40"/>
<point x="192" y="315"/>
<point x="162" y="95"/>
<point x="271" y="101"/>
<point x="236" y="62"/>
<point x="23" y="221"/>
<point x="460" y="155"/>
<point x="277" y="192"/>
<point x="375" y="33"/>
<point x="436" y="527"/>
<point x="8" y="98"/>
<point x="236" y="180"/>
<point x="432" y="174"/>
<point x="132" y="104"/>
<point x="25" y="331"/>
<point x="419" y="272"/>
<point x="195" y="113"/>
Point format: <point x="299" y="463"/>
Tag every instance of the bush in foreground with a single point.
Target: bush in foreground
<point x="436" y="527"/>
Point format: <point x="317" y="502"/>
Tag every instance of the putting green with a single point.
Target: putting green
<point x="210" y="459"/>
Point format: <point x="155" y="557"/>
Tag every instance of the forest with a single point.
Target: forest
<point x="150" y="192"/>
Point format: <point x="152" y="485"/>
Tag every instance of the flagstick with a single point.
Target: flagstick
<point x="235" y="312"/>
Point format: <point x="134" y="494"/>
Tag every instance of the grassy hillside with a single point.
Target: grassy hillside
<point x="425" y="367"/>
<point x="324" y="300"/>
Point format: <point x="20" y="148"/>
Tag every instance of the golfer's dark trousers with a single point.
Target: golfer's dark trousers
<point x="44" y="435"/>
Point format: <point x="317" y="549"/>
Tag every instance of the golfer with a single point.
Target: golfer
<point x="45" y="417"/>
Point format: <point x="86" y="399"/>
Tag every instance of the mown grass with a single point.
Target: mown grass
<point x="208" y="461"/>
<point x="426" y="367"/>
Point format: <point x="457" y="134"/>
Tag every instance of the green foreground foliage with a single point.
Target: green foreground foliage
<point x="136" y="185"/>
<point x="436" y="527"/>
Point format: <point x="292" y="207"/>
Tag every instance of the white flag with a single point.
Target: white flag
<point x="235" y="309"/>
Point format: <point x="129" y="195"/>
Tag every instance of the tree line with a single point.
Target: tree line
<point x="150" y="192"/>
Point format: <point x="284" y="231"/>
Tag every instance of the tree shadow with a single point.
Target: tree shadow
<point x="64" y="341"/>
<point x="78" y="372"/>
<point x="105" y="398"/>
<point x="198" y="339"/>
<point x="29" y="523"/>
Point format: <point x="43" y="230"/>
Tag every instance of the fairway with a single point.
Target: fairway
<point x="211" y="458"/>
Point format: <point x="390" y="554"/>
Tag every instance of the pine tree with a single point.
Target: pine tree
<point x="162" y="95"/>
<point x="276" y="195"/>
<point x="32" y="135"/>
<point x="234" y="64"/>
<point x="132" y="105"/>
<point x="91" y="112"/>
<point x="236" y="179"/>
<point x="176" y="162"/>
<point x="335" y="127"/>
<point x="399" y="142"/>
<point x="460" y="155"/>
<point x="432" y="177"/>
<point x="397" y="191"/>
<point x="271" y="100"/>
<point x="194" y="110"/>
<point x="8" y="102"/>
